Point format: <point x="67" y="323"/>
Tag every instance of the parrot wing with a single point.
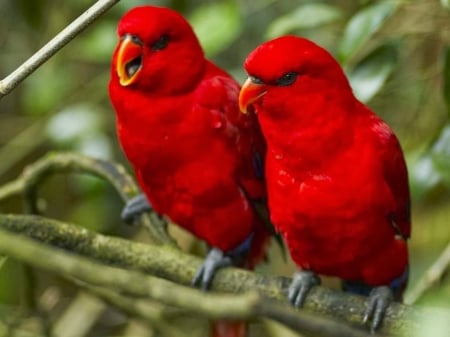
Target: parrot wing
<point x="396" y="177"/>
<point x="218" y="96"/>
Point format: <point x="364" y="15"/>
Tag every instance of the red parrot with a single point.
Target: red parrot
<point x="196" y="157"/>
<point x="336" y="177"/>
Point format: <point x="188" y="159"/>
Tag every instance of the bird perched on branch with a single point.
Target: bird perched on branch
<point x="336" y="176"/>
<point x="196" y="157"/>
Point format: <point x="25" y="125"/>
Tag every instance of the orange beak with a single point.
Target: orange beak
<point x="250" y="93"/>
<point x="129" y="60"/>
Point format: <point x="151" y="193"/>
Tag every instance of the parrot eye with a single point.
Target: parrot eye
<point x="161" y="43"/>
<point x="256" y="80"/>
<point x="133" y="38"/>
<point x="287" y="79"/>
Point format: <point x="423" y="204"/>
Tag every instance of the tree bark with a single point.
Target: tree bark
<point x="170" y="263"/>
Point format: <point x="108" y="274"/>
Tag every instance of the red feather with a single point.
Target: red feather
<point x="337" y="179"/>
<point x="180" y="127"/>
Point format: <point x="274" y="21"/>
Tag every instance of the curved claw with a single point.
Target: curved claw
<point x="302" y="283"/>
<point x="134" y="208"/>
<point x="215" y="260"/>
<point x="379" y="300"/>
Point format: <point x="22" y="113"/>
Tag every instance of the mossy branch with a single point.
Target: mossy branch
<point x="174" y="265"/>
<point x="166" y="261"/>
<point x="66" y="162"/>
<point x="214" y="306"/>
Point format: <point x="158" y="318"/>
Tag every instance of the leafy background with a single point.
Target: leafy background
<point x="396" y="54"/>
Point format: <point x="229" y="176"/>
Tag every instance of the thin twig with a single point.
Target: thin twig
<point x="54" y="45"/>
<point x="244" y="306"/>
<point x="84" y="308"/>
<point x="150" y="312"/>
<point x="20" y="145"/>
<point x="174" y="265"/>
<point x="430" y="278"/>
<point x="12" y="189"/>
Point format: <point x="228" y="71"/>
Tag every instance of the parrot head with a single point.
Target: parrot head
<point x="157" y="51"/>
<point x="286" y="68"/>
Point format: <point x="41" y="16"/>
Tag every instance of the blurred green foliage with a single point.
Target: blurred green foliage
<point x="362" y="26"/>
<point x="396" y="53"/>
<point x="225" y="17"/>
<point x="309" y="15"/>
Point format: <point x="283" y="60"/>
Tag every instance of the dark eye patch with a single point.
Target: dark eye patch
<point x="287" y="79"/>
<point x="133" y="38"/>
<point x="161" y="43"/>
<point x="256" y="80"/>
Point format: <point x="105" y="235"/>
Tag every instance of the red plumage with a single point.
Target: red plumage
<point x="179" y="125"/>
<point x="336" y="214"/>
<point x="336" y="176"/>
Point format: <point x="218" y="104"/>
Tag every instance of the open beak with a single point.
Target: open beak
<point x="129" y="59"/>
<point x="250" y="93"/>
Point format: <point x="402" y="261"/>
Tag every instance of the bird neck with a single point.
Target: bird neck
<point x="311" y="133"/>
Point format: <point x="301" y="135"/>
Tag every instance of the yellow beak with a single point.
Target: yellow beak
<point x="129" y="60"/>
<point x="250" y="93"/>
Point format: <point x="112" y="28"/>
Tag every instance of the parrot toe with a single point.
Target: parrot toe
<point x="215" y="260"/>
<point x="302" y="283"/>
<point x="134" y="208"/>
<point x="379" y="300"/>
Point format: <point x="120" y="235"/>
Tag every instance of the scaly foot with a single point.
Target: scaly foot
<point x="134" y="208"/>
<point x="379" y="300"/>
<point x="215" y="260"/>
<point x="302" y="282"/>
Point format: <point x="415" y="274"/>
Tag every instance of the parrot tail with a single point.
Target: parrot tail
<point x="256" y="253"/>
<point x="229" y="329"/>
<point x="397" y="286"/>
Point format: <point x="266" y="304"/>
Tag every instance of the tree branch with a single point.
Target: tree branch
<point x="173" y="265"/>
<point x="54" y="45"/>
<point x="214" y="306"/>
<point x="82" y="307"/>
<point x="166" y="261"/>
<point x="53" y="163"/>
<point x="65" y="162"/>
<point x="430" y="277"/>
<point x="148" y="311"/>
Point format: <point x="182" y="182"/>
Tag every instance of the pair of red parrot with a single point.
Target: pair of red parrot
<point x="331" y="172"/>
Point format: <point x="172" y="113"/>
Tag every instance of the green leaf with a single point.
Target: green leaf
<point x="446" y="78"/>
<point x="73" y="123"/>
<point x="305" y="16"/>
<point x="80" y="127"/>
<point x="423" y="177"/>
<point x="3" y="259"/>
<point x="98" y="45"/>
<point x="368" y="76"/>
<point x="217" y="25"/>
<point x="12" y="281"/>
<point x="440" y="155"/>
<point x="432" y="170"/>
<point x="445" y="4"/>
<point x="48" y="85"/>
<point x="362" y="26"/>
<point x="430" y="324"/>
<point x="32" y="12"/>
